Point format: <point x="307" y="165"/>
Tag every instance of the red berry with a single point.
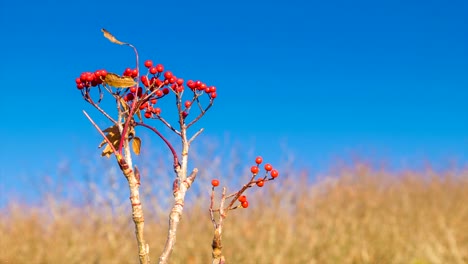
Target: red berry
<point x="134" y="73"/>
<point x="133" y="89"/>
<point x="154" y="101"/>
<point x="191" y="84"/>
<point x="180" y="81"/>
<point x="165" y="91"/>
<point x="260" y="183"/>
<point x="159" y="68"/>
<point x="188" y="104"/>
<point x="129" y="97"/>
<point x="144" y="105"/>
<point x="201" y="87"/>
<point x="172" y="79"/>
<point x="78" y="80"/>
<point x="215" y="182"/>
<point x="103" y="73"/>
<point x="168" y="75"/>
<point x="148" y="114"/>
<point x="213" y="95"/>
<point x="197" y="84"/>
<point x="268" y="167"/>
<point x="274" y="173"/>
<point x="153" y="70"/>
<point x="157" y="111"/>
<point x="245" y="204"/>
<point x="127" y="72"/>
<point x="80" y="85"/>
<point x="254" y="169"/>
<point x="90" y="77"/>
<point x="242" y="198"/>
<point x="159" y="93"/>
<point x="148" y="63"/>
<point x="83" y="77"/>
<point x="156" y="81"/>
<point x="144" y="80"/>
<point x="258" y="160"/>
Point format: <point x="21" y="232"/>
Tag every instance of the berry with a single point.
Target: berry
<point x="188" y="104"/>
<point x="134" y="73"/>
<point x="168" y="75"/>
<point x="103" y="73"/>
<point x="274" y="173"/>
<point x="213" y="95"/>
<point x="191" y="84"/>
<point x="90" y="77"/>
<point x="129" y="97"/>
<point x="254" y="169"/>
<point x="215" y="182"/>
<point x="83" y="77"/>
<point x="260" y="183"/>
<point x="268" y="167"/>
<point x="159" y="93"/>
<point x="127" y="72"/>
<point x="148" y="114"/>
<point x="144" y="80"/>
<point x="78" y="80"/>
<point x="242" y="198"/>
<point x="245" y="204"/>
<point x="157" y="111"/>
<point x="148" y="64"/>
<point x="180" y="81"/>
<point x="153" y="70"/>
<point x="144" y="105"/>
<point x="165" y="91"/>
<point x="133" y="89"/>
<point x="201" y="87"/>
<point x="159" y="68"/>
<point x="259" y="160"/>
<point x="153" y="101"/>
<point x="184" y="114"/>
<point x="80" y="85"/>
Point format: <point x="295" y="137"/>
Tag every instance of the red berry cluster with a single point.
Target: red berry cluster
<point x="268" y="168"/>
<point x="90" y="79"/>
<point x="260" y="182"/>
<point x="156" y="84"/>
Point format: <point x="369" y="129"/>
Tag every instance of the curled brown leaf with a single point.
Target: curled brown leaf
<point x="111" y="37"/>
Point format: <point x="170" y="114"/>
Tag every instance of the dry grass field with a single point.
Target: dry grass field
<point x="355" y="215"/>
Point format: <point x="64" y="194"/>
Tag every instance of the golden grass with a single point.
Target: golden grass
<point x="358" y="215"/>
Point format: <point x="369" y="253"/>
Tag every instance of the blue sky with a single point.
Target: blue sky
<point x="381" y="79"/>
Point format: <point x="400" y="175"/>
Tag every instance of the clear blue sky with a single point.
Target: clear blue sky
<point x="385" y="79"/>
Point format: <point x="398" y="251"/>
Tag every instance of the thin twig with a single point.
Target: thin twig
<point x="201" y="114"/>
<point x="102" y="133"/>
<point x="169" y="145"/>
<point x="195" y="135"/>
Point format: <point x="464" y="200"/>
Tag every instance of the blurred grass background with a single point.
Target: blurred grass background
<point x="356" y="214"/>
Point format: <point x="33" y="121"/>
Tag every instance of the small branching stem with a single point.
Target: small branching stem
<point x="169" y="145"/>
<point x="217" y="246"/>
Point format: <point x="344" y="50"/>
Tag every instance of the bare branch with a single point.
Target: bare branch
<point x="195" y="135"/>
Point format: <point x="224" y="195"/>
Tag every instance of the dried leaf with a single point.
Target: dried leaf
<point x="113" y="135"/>
<point x="136" y="145"/>
<point x="138" y="113"/>
<point x="110" y="37"/>
<point x="117" y="81"/>
<point x="124" y="104"/>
